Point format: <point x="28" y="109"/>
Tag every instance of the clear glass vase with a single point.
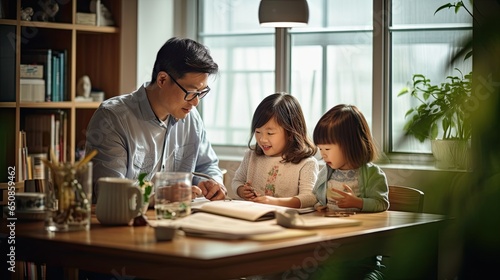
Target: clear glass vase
<point x="69" y="197"/>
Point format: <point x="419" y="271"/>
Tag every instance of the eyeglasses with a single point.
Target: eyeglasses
<point x="190" y="95"/>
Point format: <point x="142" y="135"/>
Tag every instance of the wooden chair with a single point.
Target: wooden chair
<point x="401" y="199"/>
<point x="406" y="199"/>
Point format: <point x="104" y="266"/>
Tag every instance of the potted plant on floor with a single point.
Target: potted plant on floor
<point x="443" y="116"/>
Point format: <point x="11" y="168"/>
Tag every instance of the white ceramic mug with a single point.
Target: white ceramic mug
<point x="115" y="201"/>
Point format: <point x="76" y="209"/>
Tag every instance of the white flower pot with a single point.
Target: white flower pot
<point x="451" y="154"/>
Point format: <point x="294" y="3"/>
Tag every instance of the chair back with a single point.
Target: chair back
<point x="406" y="199"/>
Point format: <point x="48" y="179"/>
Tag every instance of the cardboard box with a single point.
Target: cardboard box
<point x="31" y="71"/>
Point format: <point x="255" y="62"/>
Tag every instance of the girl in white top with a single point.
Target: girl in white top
<point x="280" y="169"/>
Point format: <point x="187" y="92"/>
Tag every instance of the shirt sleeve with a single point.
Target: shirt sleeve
<point x="307" y="178"/>
<point x="103" y="136"/>
<point x="240" y="176"/>
<point x="376" y="191"/>
<point x="319" y="189"/>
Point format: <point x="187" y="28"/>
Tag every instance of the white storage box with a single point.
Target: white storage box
<point x="85" y="18"/>
<point x="32" y="90"/>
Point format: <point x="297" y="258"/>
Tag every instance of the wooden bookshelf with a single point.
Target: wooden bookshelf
<point x="100" y="52"/>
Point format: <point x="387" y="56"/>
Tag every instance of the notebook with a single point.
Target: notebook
<point x="242" y="209"/>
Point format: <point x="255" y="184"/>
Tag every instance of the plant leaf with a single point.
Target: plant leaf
<point x="141" y="178"/>
<point x="403" y="91"/>
<point x="448" y="5"/>
<point x="457" y="6"/>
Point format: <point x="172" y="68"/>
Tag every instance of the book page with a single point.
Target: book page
<point x="242" y="209"/>
<point x="215" y="226"/>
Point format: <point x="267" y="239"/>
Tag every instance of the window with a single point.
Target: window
<point x="422" y="42"/>
<point x="332" y="58"/>
<point x="245" y="54"/>
<point x="332" y="62"/>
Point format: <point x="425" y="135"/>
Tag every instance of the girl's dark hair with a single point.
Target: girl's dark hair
<point x="345" y="125"/>
<point x="179" y="56"/>
<point x="286" y="111"/>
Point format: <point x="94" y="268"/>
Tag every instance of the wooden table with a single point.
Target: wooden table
<point x="410" y="239"/>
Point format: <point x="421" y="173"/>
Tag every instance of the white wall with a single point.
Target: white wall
<point x="155" y="25"/>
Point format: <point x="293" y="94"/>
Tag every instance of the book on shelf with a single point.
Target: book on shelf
<point x="241" y="209"/>
<point x="63" y="60"/>
<point x="55" y="77"/>
<point x="32" y="270"/>
<point x="37" y="167"/>
<point x="29" y="167"/>
<point x="54" y="66"/>
<point x="23" y="161"/>
<point x="46" y="131"/>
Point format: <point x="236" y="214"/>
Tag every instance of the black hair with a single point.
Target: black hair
<point x="345" y="125"/>
<point x="179" y="56"/>
<point x="286" y="111"/>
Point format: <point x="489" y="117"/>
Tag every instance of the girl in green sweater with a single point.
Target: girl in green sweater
<point x="349" y="181"/>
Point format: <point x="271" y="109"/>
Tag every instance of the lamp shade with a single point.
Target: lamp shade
<point x="283" y="13"/>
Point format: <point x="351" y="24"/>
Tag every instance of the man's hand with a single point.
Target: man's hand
<point x="212" y="190"/>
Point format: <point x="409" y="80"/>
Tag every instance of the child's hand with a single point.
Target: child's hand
<point x="247" y="192"/>
<point x="346" y="198"/>
<point x="320" y="208"/>
<point x="265" y="199"/>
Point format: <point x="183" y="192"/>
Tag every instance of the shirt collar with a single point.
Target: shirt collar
<point x="146" y="110"/>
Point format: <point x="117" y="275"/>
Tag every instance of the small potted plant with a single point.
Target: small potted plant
<point x="442" y="116"/>
<point x="146" y="189"/>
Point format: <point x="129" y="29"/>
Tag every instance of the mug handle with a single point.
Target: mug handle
<point x="131" y="191"/>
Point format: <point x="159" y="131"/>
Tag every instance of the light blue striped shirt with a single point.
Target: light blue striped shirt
<point x="131" y="140"/>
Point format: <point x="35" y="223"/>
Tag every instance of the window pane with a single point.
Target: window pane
<point x="307" y="82"/>
<point x="246" y="76"/>
<point x="332" y="58"/>
<point x="329" y="69"/>
<point x="422" y="12"/>
<point x="339" y="14"/>
<point x="226" y="16"/>
<point x="245" y="54"/>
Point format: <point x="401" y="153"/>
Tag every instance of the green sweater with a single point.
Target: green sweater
<point x="373" y="187"/>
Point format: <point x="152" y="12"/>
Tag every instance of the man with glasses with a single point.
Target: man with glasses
<point x="157" y="127"/>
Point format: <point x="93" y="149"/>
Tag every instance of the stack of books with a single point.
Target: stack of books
<point x="44" y="136"/>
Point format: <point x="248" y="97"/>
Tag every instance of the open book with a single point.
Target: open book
<point x="215" y="226"/>
<point x="241" y="209"/>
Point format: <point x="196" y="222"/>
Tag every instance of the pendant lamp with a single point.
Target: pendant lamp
<point x="283" y="13"/>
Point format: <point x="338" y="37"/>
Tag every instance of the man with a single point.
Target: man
<point x="157" y="127"/>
